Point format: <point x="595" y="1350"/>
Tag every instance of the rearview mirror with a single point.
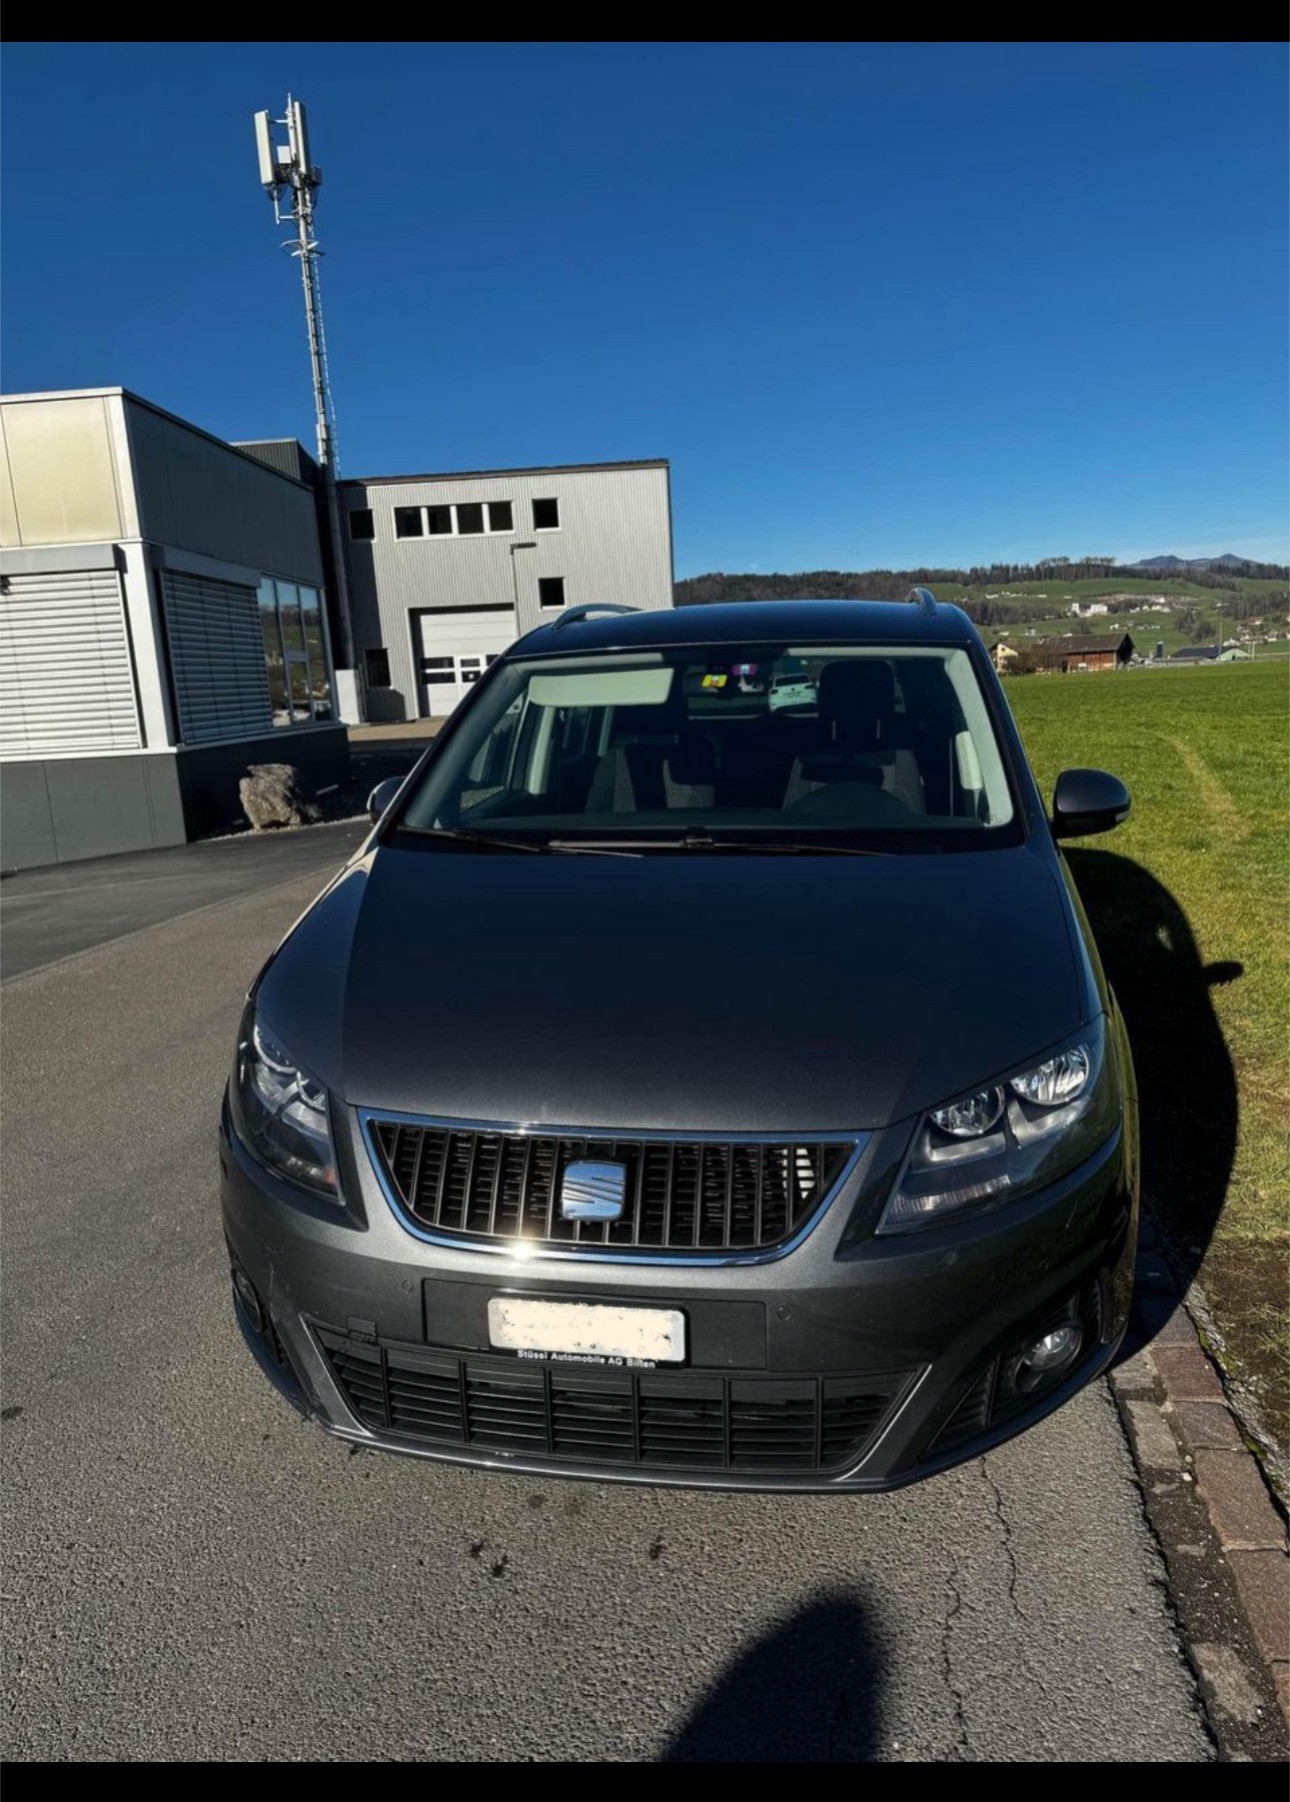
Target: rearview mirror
<point x="1088" y="801"/>
<point x="382" y="795"/>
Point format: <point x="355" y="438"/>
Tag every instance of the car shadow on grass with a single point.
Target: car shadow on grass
<point x="1187" y="1091"/>
<point x="806" y="1691"/>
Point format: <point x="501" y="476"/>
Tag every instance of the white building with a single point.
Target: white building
<point x="445" y="571"/>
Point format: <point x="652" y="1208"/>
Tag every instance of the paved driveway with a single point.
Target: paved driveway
<point x="191" y="1572"/>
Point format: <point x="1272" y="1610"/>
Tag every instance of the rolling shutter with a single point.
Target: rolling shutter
<point x="216" y="658"/>
<point x="66" y="685"/>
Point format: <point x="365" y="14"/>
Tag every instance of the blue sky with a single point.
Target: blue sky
<point x="880" y="305"/>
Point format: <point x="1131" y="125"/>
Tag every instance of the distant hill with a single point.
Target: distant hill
<point x="1228" y="560"/>
<point x="985" y="591"/>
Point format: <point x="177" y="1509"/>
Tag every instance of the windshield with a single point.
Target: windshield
<point x="885" y="745"/>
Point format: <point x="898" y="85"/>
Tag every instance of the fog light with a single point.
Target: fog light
<point x="1050" y="1354"/>
<point x="249" y="1299"/>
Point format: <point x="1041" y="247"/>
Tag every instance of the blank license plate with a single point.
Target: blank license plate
<point x="586" y="1332"/>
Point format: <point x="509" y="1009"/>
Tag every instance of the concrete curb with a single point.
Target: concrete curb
<point x="1221" y="1532"/>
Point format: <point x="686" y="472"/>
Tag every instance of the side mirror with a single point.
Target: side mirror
<point x="382" y="795"/>
<point x="1088" y="801"/>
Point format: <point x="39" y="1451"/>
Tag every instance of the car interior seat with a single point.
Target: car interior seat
<point x="654" y="761"/>
<point x="861" y="737"/>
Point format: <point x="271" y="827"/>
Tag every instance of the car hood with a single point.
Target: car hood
<point x="683" y="992"/>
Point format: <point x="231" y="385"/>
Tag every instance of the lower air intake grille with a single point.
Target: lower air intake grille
<point x="993" y="1396"/>
<point x="972" y="1416"/>
<point x="661" y="1419"/>
<point x="678" y="1195"/>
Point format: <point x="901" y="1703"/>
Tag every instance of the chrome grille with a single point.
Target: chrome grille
<point x="681" y="1194"/>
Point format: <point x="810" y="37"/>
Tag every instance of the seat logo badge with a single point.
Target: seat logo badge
<point x="592" y="1191"/>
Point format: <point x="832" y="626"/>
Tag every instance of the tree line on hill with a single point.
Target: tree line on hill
<point x="894" y="584"/>
<point x="1273" y="602"/>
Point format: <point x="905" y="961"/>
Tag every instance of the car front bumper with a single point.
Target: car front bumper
<point x="853" y="1363"/>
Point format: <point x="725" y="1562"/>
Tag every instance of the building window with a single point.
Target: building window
<point x="295" y="652"/>
<point x="550" y="591"/>
<point x="439" y="669"/>
<point x="464" y="519"/>
<point x="316" y="651"/>
<point x="377" y="663"/>
<point x="362" y="523"/>
<point x="274" y="663"/>
<point x="546" y="516"/>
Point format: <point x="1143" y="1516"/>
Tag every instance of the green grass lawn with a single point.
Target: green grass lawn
<point x="1188" y="901"/>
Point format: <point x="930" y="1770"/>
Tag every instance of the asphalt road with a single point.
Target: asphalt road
<point x="57" y="912"/>
<point x="192" y="1573"/>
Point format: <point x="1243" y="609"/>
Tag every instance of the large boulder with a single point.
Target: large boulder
<point x="271" y="796"/>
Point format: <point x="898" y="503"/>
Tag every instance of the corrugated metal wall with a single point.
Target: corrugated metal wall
<point x="287" y="455"/>
<point x="65" y="678"/>
<point x="614" y="544"/>
<point x="216" y="658"/>
<point x="199" y="495"/>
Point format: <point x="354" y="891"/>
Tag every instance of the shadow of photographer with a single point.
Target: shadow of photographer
<point x="806" y="1691"/>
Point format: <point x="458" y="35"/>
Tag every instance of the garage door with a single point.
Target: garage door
<point x="453" y="649"/>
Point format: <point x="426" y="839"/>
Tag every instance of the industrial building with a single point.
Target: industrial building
<point x="169" y="608"/>
<point x="161" y="627"/>
<point x="445" y="571"/>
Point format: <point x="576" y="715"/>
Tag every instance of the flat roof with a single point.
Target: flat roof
<point x="474" y="475"/>
<point x="742" y="622"/>
<point x="175" y="419"/>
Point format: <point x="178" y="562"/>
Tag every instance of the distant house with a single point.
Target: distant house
<point x="1086" y="609"/>
<point x="1070" y="654"/>
<point x="1002" y="655"/>
<point x="1195" y="653"/>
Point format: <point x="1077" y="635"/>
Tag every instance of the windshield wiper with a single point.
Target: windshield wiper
<point x="489" y="841"/>
<point x="484" y="841"/>
<point x="702" y="841"/>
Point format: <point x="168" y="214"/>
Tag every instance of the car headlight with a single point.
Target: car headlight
<point x="1000" y="1141"/>
<point x="280" y="1110"/>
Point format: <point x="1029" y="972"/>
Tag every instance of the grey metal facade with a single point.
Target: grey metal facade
<point x="287" y="455"/>
<point x="200" y="494"/>
<point x="467" y="596"/>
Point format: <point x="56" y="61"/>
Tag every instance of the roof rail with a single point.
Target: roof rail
<point x="572" y="615"/>
<point x="924" y="598"/>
